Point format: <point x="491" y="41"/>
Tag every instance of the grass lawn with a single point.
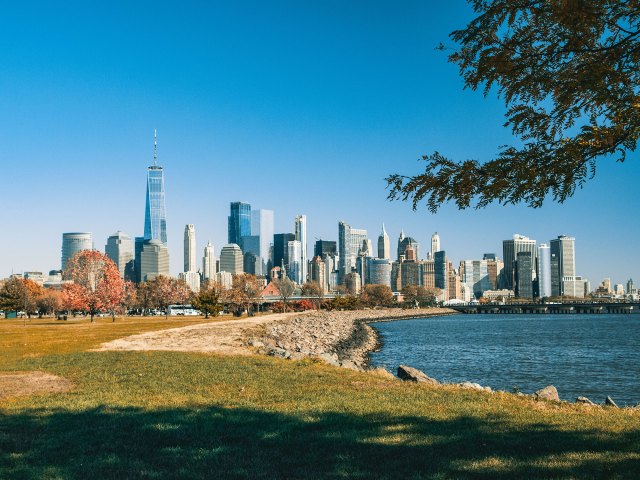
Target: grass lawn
<point x="175" y="415"/>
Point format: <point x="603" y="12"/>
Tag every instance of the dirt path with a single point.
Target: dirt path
<point x="227" y="337"/>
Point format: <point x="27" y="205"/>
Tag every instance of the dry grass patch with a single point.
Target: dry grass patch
<point x="18" y="384"/>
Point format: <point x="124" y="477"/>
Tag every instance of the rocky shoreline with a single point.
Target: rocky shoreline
<point x="340" y="338"/>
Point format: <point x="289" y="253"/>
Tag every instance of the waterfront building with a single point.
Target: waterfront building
<point x="325" y="247"/>
<point x="294" y="268"/>
<point x="384" y="245"/>
<point x="544" y="271"/>
<point x="239" y="222"/>
<point x="510" y="250"/>
<point x="618" y="289"/>
<point x="563" y="263"/>
<point x="630" y="287"/>
<point x="318" y="273"/>
<point x="475" y="275"/>
<point x="262" y="227"/>
<point x="192" y="279"/>
<point x="119" y="248"/>
<point x="208" y="263"/>
<point x="454" y="284"/>
<point x="231" y="259"/>
<point x="575" y="286"/>
<point x="300" y="229"/>
<point x="281" y="249"/>
<point x="495" y="269"/>
<point x="225" y="279"/>
<point x="499" y="295"/>
<point x="154" y="260"/>
<point x="489" y="256"/>
<point x="74" y="242"/>
<point x="435" y="244"/>
<point x="524" y="275"/>
<point x="190" y="248"/>
<point x="441" y="276"/>
<point x="155" y="217"/>
<point x="379" y="271"/>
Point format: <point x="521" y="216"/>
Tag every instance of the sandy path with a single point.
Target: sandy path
<point x="225" y="337"/>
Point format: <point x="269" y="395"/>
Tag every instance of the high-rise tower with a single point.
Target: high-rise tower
<point x="384" y="245"/>
<point x="435" y="243"/>
<point x="301" y="236"/>
<point x="262" y="227"/>
<point x="74" y="242"/>
<point x="544" y="271"/>
<point x="239" y="222"/>
<point x="119" y="248"/>
<point x="190" y="248"/>
<point x="510" y="250"/>
<point x="155" y="218"/>
<point x="563" y="266"/>
<point x="208" y="263"/>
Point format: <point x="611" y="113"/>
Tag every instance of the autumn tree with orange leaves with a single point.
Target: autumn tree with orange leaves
<point x="97" y="286"/>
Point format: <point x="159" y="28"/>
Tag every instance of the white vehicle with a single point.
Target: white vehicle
<point x="183" y="310"/>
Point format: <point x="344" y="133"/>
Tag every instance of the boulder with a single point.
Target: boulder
<point x="547" y="393"/>
<point x="584" y="401"/>
<point x="350" y="365"/>
<point x="610" y="403"/>
<point x="471" y="386"/>
<point x="410" y="374"/>
<point x="330" y="358"/>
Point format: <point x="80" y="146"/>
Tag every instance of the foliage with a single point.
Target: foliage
<point x="246" y="291"/>
<point x="164" y="291"/>
<point x="287" y="288"/>
<point x="13" y="295"/>
<point x="303" y="305"/>
<point x="377" y="296"/>
<point x="420" y="296"/>
<point x="345" y="302"/>
<point x="315" y="291"/>
<point x="49" y="302"/>
<point x="96" y="286"/>
<point x="569" y="74"/>
<point x="210" y="299"/>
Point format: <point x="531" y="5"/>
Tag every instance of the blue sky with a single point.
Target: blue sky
<point x="298" y="107"/>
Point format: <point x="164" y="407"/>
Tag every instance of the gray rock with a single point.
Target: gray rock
<point x="410" y="374"/>
<point x="350" y="365"/>
<point x="547" y="393"/>
<point x="488" y="389"/>
<point x="610" y="403"/>
<point x="257" y="343"/>
<point x="471" y="386"/>
<point x="584" y="401"/>
<point x="330" y="358"/>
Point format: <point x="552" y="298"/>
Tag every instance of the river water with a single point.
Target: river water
<point x="588" y="355"/>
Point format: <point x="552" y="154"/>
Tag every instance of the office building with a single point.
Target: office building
<point x="281" y="249"/>
<point x="301" y="236"/>
<point x="252" y="264"/>
<point x="379" y="271"/>
<point x="137" y="261"/>
<point x="384" y="245"/>
<point x="294" y="268"/>
<point x="510" y="250"/>
<point x="353" y="283"/>
<point x="190" y="248"/>
<point x="564" y="263"/>
<point x="344" y="249"/>
<point x="408" y="243"/>
<point x="318" y="273"/>
<point x="441" y="274"/>
<point x="524" y="275"/>
<point x="239" y="222"/>
<point x="74" y="242"/>
<point x="225" y="279"/>
<point x="155" y="217"/>
<point x="119" y="248"/>
<point x="251" y="245"/>
<point x="154" y="260"/>
<point x="325" y="247"/>
<point x="262" y="227"/>
<point x="475" y="275"/>
<point x="192" y="279"/>
<point x="435" y="244"/>
<point x="231" y="259"/>
<point x="208" y="263"/>
<point x="544" y="271"/>
<point x="495" y="269"/>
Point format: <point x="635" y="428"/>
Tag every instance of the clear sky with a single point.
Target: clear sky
<point x="298" y="107"/>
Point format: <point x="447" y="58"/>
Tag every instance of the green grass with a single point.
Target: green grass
<point x="178" y="415"/>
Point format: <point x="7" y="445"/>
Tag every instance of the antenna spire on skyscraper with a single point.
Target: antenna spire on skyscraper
<point x="155" y="148"/>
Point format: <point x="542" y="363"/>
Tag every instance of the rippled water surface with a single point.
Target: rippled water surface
<point x="590" y="355"/>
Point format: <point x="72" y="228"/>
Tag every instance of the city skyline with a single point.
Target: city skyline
<point x="225" y="138"/>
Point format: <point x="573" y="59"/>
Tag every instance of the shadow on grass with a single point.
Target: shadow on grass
<point x="240" y="443"/>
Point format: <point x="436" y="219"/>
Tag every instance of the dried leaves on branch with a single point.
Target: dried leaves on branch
<point x="569" y="74"/>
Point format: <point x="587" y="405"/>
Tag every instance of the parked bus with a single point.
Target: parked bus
<point x="183" y="310"/>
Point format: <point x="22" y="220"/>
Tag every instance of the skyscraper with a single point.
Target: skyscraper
<point x="510" y="250"/>
<point x="325" y="247"/>
<point x="405" y="243"/>
<point x="563" y="252"/>
<point x="154" y="260"/>
<point x="441" y="272"/>
<point x="239" y="222"/>
<point x="208" y="263"/>
<point x="301" y="236"/>
<point x="119" y="248"/>
<point x="231" y="259"/>
<point x="435" y="243"/>
<point x="384" y="245"/>
<point x="524" y="275"/>
<point x="155" y="219"/>
<point x="344" y="250"/>
<point x="281" y="249"/>
<point x="189" y="248"/>
<point x="74" y="242"/>
<point x="262" y="226"/>
<point x="544" y="271"/>
<point x="294" y="268"/>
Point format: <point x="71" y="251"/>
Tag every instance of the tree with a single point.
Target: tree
<point x="96" y="286"/>
<point x="418" y="296"/>
<point x="315" y="291"/>
<point x="164" y="291"/>
<point x="49" y="302"/>
<point x="13" y="295"/>
<point x="377" y="296"/>
<point x="287" y="288"/>
<point x="210" y="299"/>
<point x="246" y="291"/>
<point x="568" y="72"/>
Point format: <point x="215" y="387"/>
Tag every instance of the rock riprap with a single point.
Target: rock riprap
<point x="410" y="374"/>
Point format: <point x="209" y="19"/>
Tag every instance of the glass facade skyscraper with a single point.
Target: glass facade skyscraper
<point x="239" y="222"/>
<point x="155" y="217"/>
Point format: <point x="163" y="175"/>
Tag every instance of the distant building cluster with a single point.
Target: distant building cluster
<point x="527" y="270"/>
